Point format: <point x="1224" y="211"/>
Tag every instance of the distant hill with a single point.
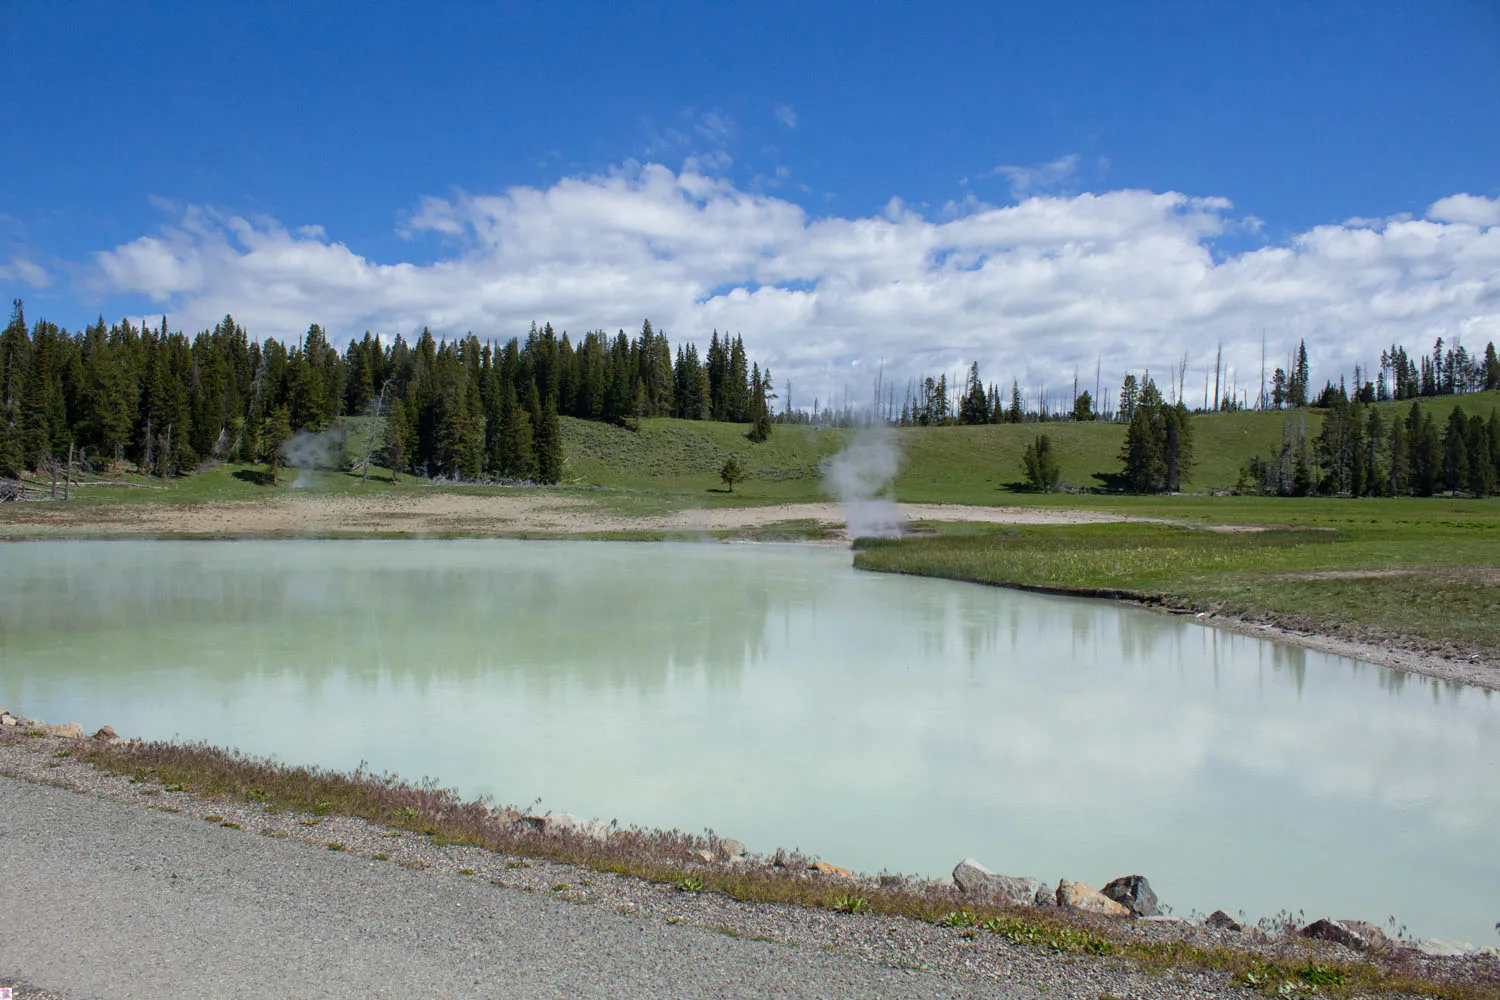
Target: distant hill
<point x="979" y="464"/>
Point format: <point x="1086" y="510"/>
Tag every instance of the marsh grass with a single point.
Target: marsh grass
<point x="668" y="857"/>
<point x="1434" y="578"/>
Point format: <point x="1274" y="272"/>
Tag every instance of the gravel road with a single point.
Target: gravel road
<point x="109" y="899"/>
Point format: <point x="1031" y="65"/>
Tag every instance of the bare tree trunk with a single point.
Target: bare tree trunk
<point x="68" y="482"/>
<point x="52" y="467"/>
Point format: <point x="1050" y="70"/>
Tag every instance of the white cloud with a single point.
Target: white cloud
<point x="1475" y="210"/>
<point x="1026" y="181"/>
<point x="24" y="270"/>
<point x="1032" y="291"/>
<point x="787" y="115"/>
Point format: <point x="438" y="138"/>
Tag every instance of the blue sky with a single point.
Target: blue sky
<point x="476" y="166"/>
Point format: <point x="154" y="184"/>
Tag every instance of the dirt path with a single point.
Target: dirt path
<point x="434" y="513"/>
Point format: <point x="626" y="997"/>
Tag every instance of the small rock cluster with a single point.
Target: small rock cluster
<point x="1127" y="896"/>
<point x="68" y="731"/>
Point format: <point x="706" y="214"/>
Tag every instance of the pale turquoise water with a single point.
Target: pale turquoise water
<point x="777" y="695"/>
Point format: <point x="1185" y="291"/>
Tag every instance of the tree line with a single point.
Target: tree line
<point x="1359" y="452"/>
<point x="461" y="408"/>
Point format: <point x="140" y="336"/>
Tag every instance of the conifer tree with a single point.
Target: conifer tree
<point x="732" y="472"/>
<point x="1456" y="451"/>
<point x="277" y="433"/>
<point x="1039" y="464"/>
<point x="549" y="452"/>
<point x="514" y="458"/>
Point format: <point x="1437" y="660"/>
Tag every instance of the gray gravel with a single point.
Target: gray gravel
<point x="114" y="889"/>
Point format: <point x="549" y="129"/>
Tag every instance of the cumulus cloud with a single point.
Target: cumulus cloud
<point x="1033" y="291"/>
<point x="1473" y="209"/>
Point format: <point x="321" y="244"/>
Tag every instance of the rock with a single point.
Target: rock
<point x="1443" y="949"/>
<point x="1335" y="932"/>
<point x="69" y="731"/>
<point x="972" y="877"/>
<point x="106" y="733"/>
<point x="1134" y="893"/>
<point x="891" y="881"/>
<point x="561" y="824"/>
<point x="732" y="848"/>
<point x="707" y="857"/>
<point x="1045" y="896"/>
<point x="1221" y="921"/>
<point x="1087" y="899"/>
<point x="9" y="720"/>
<point x="1372" y="933"/>
<point x="1162" y="918"/>
<point x="824" y="868"/>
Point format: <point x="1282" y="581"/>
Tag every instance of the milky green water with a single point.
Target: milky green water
<point x="776" y="695"/>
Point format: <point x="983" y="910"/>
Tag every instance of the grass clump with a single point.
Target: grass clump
<point x="851" y="904"/>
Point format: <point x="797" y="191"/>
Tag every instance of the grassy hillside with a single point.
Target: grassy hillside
<point x="954" y="464"/>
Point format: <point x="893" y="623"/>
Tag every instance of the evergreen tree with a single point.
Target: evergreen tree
<point x="732" y="472"/>
<point x="549" y="453"/>
<point x="760" y="407"/>
<point x="1481" y="472"/>
<point x="1399" y="473"/>
<point x="1015" y="413"/>
<point x="1083" y="407"/>
<point x="277" y="433"/>
<point x="974" y="407"/>
<point x="514" y="458"/>
<point x="397" y="436"/>
<point x="1456" y="451"/>
<point x="1039" y="464"/>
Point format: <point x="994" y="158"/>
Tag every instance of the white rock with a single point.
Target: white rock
<point x="1444" y="949"/>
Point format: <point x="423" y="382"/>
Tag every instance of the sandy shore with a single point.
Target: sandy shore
<point x="439" y="513"/>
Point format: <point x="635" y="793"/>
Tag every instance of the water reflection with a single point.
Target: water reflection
<point x="777" y="695"/>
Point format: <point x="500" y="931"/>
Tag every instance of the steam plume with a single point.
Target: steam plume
<point x="860" y="477"/>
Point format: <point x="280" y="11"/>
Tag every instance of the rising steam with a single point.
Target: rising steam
<point x="307" y="451"/>
<point x="860" y="477"/>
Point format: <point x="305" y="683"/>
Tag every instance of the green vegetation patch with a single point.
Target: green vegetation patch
<point x="1425" y="578"/>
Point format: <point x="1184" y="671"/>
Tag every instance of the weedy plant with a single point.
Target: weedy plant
<point x="689" y="884"/>
<point x="851" y="904"/>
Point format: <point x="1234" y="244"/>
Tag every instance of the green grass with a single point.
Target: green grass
<point x="666" y="465"/>
<point x="1437" y="561"/>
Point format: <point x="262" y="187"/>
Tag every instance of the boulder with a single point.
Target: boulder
<point x="1372" y="933"/>
<point x="1134" y="893"/>
<point x="9" y="720"/>
<point x="1087" y="899"/>
<point x="732" y="848"/>
<point x="68" y="731"/>
<point x="824" y="868"/>
<point x="1045" y="896"/>
<point x="972" y="878"/>
<point x="707" y="857"/>
<point x="1221" y="921"/>
<point x="1335" y="932"/>
<point x="106" y="733"/>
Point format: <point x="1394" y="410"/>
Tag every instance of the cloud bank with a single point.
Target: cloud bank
<point x="1032" y="291"/>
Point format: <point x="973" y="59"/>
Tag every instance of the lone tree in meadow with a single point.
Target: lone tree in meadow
<point x="1039" y="463"/>
<point x="732" y="473"/>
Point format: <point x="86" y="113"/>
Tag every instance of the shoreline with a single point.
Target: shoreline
<point x="446" y="516"/>
<point x="1075" y="952"/>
